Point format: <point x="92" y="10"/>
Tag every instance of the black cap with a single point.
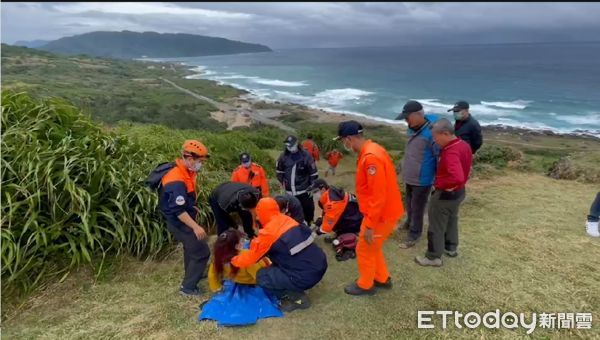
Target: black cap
<point x="460" y="105"/>
<point x="348" y="128"/>
<point x="410" y="107"/>
<point x="309" y="136"/>
<point x="290" y="140"/>
<point x="244" y="157"/>
<point x="318" y="184"/>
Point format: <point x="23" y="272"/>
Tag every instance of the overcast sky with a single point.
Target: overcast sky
<point x="289" y="25"/>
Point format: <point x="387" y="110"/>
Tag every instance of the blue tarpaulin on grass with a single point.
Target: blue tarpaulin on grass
<point x="239" y="305"/>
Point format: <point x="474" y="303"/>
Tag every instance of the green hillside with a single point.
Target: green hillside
<point x="127" y="44"/>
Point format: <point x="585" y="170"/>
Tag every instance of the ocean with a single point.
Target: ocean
<point x="543" y="86"/>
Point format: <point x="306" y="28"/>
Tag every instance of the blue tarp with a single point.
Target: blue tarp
<point x="239" y="305"/>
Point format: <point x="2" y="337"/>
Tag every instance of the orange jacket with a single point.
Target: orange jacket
<point x="312" y="148"/>
<point x="332" y="211"/>
<point x="274" y="223"/>
<point x="333" y="157"/>
<point x="255" y="176"/>
<point x="376" y="186"/>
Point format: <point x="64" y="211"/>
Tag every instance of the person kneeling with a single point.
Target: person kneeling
<point x="298" y="264"/>
<point x="237" y="300"/>
<point x="341" y="216"/>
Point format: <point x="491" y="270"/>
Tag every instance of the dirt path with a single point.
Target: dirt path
<point x="232" y="111"/>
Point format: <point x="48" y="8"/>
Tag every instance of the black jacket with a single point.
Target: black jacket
<point x="296" y="171"/>
<point x="227" y="195"/>
<point x="469" y="131"/>
<point x="294" y="207"/>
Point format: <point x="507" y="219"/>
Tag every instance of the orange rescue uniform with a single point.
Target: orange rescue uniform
<point x="312" y="148"/>
<point x="333" y="158"/>
<point x="380" y="202"/>
<point x="254" y="176"/>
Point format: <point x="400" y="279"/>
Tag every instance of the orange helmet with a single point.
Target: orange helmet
<point x="195" y="147"/>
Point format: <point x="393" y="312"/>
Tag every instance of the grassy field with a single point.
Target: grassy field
<point x="523" y="249"/>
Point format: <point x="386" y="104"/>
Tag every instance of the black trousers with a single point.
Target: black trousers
<point x="308" y="207"/>
<point x="415" y="203"/>
<point x="195" y="254"/>
<point x="224" y="221"/>
<point x="443" y="222"/>
<point x="594" y="215"/>
<point x="276" y="282"/>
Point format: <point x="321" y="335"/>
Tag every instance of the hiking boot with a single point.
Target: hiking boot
<point x="407" y="244"/>
<point x="451" y="253"/>
<point x="291" y="303"/>
<point x="386" y="285"/>
<point x="189" y="292"/>
<point x="353" y="289"/>
<point x="424" y="261"/>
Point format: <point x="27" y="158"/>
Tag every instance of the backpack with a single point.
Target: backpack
<point x="155" y="178"/>
<point x="345" y="246"/>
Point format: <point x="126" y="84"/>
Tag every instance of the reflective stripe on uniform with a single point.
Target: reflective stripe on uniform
<point x="293" y="184"/>
<point x="302" y="245"/>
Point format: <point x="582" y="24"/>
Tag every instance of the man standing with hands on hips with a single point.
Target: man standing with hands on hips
<point x="454" y="166"/>
<point x="379" y="201"/>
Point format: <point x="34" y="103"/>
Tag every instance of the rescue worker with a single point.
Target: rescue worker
<point x="333" y="159"/>
<point x="233" y="197"/>
<point x="451" y="176"/>
<point x="296" y="171"/>
<point x="309" y="145"/>
<point x="298" y="264"/>
<point x="341" y="213"/>
<point x="251" y="173"/>
<point x="177" y="199"/>
<point x="291" y="206"/>
<point x="380" y="202"/>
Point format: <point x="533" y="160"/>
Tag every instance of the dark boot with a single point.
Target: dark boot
<point x="353" y="289"/>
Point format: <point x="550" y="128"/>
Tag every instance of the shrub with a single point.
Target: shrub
<point x="496" y="155"/>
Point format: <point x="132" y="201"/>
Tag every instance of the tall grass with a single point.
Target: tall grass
<point x="70" y="192"/>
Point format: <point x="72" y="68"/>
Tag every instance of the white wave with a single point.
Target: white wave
<point x="591" y="119"/>
<point x="277" y="82"/>
<point x="334" y="98"/>
<point x="517" y="104"/>
<point x="232" y="76"/>
<point x="433" y="104"/>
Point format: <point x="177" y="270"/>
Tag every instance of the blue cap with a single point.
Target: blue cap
<point x="348" y="128"/>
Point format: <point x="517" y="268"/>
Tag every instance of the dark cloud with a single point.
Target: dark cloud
<point x="329" y="24"/>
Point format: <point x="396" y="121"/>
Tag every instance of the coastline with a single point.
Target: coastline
<point x="252" y="101"/>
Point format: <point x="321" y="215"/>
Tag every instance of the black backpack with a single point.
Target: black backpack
<point x="155" y="178"/>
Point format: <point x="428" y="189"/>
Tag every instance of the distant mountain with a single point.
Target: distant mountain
<point x="31" y="43"/>
<point x="127" y="44"/>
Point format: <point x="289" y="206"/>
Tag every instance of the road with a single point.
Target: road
<point x="229" y="108"/>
